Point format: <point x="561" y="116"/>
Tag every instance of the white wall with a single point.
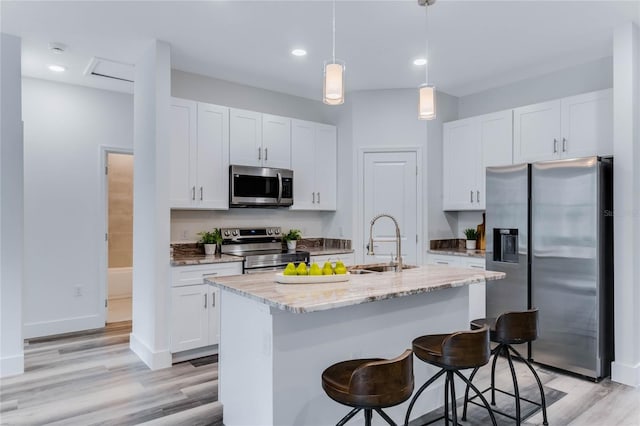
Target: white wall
<point x="64" y="128"/>
<point x="11" y="208"/>
<point x="595" y="75"/>
<point x="151" y="218"/>
<point x="186" y="224"/>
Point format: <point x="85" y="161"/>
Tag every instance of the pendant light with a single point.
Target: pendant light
<point x="426" y="91"/>
<point x="333" y="87"/>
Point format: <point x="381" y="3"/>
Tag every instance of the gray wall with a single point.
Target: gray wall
<point x="595" y="75"/>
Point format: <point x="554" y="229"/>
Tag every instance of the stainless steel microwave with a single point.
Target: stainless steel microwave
<point x="260" y="187"/>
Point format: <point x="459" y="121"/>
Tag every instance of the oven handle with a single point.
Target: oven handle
<point x="279" y="187"/>
<point x="268" y="269"/>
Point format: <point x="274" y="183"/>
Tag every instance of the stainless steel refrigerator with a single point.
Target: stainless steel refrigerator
<point x="550" y="228"/>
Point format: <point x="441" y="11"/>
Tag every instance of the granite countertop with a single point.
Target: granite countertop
<point x="459" y="252"/>
<point x="203" y="259"/>
<point x="327" y="251"/>
<point x="301" y="298"/>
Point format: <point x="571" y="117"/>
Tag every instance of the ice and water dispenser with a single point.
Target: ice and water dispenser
<point x="505" y="245"/>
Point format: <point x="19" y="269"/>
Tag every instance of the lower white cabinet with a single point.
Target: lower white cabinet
<point x="477" y="292"/>
<point x="347" y="258"/>
<point x="195" y="306"/>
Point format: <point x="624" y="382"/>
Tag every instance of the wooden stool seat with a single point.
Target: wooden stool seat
<point x="452" y="353"/>
<point x="508" y="329"/>
<point x="370" y="384"/>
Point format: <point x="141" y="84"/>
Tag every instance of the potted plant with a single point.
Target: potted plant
<point x="212" y="241"/>
<point x="471" y="235"/>
<point x="292" y="238"/>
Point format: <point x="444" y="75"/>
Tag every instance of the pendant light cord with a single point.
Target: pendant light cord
<point x="334" y="32"/>
<point x="426" y="31"/>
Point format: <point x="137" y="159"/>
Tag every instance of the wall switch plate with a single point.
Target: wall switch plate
<point x="184" y="234"/>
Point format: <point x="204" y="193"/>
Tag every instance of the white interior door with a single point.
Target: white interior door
<point x="391" y="186"/>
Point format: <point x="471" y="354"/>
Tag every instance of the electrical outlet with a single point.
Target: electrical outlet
<point x="184" y="234"/>
<point x="77" y="290"/>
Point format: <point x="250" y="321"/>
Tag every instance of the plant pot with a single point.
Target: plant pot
<point x="471" y="244"/>
<point x="209" y="249"/>
<point x="291" y="245"/>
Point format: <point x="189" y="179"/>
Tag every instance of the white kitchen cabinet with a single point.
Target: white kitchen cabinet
<point x="258" y="139"/>
<point x="471" y="145"/>
<point x="576" y="126"/>
<point x="195" y="306"/>
<point x="314" y="162"/>
<point x="199" y="159"/>
<point x="348" y="259"/>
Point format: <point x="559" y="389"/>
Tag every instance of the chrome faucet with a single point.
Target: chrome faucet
<point x="398" y="239"/>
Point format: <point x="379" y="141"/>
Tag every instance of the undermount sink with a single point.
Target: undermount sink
<point x="376" y="267"/>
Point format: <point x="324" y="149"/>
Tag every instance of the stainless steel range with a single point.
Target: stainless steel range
<point x="261" y="248"/>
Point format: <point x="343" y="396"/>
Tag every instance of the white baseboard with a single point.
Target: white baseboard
<point x="12" y="365"/>
<point x="194" y="353"/>
<point x="60" y="326"/>
<point x="154" y="360"/>
<point x="626" y="374"/>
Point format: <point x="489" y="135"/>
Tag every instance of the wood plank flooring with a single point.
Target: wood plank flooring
<point x="92" y="378"/>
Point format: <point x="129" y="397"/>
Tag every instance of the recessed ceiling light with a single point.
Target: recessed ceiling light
<point x="419" y="61"/>
<point x="298" y="52"/>
<point x="57" y="68"/>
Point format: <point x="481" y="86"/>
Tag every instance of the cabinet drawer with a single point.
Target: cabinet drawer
<point x="190" y="275"/>
<point x="474" y="263"/>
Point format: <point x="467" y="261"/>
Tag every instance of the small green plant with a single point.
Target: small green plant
<point x="470" y="233"/>
<point x="213" y="237"/>
<point x="292" y="235"/>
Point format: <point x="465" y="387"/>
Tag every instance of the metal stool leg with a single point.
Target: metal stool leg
<point x="454" y="409"/>
<point x="516" y="391"/>
<point x="484" y="400"/>
<point x="535" y="374"/>
<point x="466" y="394"/>
<point x="422" y="388"/>
<point x="348" y="416"/>
<point x="498" y="350"/>
<point x="446" y="399"/>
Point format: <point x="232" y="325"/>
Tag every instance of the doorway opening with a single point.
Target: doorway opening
<point x="119" y="171"/>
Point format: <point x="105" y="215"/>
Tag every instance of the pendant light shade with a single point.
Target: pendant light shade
<point x="427" y="102"/>
<point x="333" y="80"/>
<point x="426" y="92"/>
<point x="333" y="89"/>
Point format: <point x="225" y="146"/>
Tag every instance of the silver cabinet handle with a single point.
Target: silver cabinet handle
<point x="313" y="197"/>
<point x="193" y="193"/>
<point x="477" y="196"/>
<point x="564" y="144"/>
<point x="555" y="145"/>
<point x="213" y="300"/>
<point x="266" y="154"/>
<point x="318" y="198"/>
<point x="439" y="262"/>
<point x="200" y="193"/>
<point x="471" y="195"/>
<point x="259" y="153"/>
<point x="205" y="300"/>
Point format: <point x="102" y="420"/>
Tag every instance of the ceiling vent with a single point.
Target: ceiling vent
<point x="106" y="68"/>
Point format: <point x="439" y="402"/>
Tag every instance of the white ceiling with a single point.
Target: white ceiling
<point x="474" y="45"/>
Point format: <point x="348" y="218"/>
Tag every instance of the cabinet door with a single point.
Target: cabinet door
<point x="461" y="158"/>
<point x="245" y="137"/>
<point x="214" y="315"/>
<point x="587" y="125"/>
<point x="496" y="139"/>
<point x="326" y="167"/>
<point x="182" y="174"/>
<point x="276" y="141"/>
<point x="536" y="135"/>
<point x="189" y="317"/>
<point x="303" y="164"/>
<point x="212" y="190"/>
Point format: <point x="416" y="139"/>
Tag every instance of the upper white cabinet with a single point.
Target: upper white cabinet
<point x="471" y="145"/>
<point x="577" y="126"/>
<point x="199" y="162"/>
<point x="314" y="163"/>
<point x="258" y="139"/>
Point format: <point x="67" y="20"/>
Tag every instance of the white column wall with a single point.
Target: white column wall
<point x="151" y="216"/>
<point x="11" y="207"/>
<point x="626" y="151"/>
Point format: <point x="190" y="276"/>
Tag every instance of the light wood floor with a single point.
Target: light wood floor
<point x="93" y="378"/>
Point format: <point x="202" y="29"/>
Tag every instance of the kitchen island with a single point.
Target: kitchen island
<point x="276" y="339"/>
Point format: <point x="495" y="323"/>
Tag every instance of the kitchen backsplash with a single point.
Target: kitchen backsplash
<point x="453" y="243"/>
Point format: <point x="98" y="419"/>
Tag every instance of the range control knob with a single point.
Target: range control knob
<point x="269" y="231"/>
<point x="277" y="231"/>
<point x="235" y="232"/>
<point x="226" y="233"/>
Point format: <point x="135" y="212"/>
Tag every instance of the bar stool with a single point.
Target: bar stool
<point x="452" y="353"/>
<point x="510" y="328"/>
<point x="370" y="384"/>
